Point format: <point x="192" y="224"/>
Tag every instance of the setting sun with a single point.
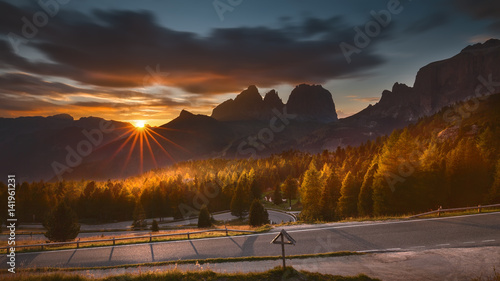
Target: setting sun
<point x="139" y="124"/>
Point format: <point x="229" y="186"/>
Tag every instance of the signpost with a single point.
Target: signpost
<point x="283" y="234"/>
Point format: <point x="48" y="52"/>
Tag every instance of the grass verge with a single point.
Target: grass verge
<point x="193" y="261"/>
<point x="275" y="274"/>
<point x="461" y="213"/>
<point x="494" y="277"/>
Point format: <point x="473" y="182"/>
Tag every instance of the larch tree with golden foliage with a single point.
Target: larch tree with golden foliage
<point x="365" y="198"/>
<point x="348" y="201"/>
<point x="330" y="194"/>
<point x="310" y="192"/>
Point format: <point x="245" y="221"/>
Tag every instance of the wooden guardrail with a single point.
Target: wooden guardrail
<point x="440" y="210"/>
<point x="150" y="236"/>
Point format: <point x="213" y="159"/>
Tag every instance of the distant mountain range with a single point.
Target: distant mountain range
<point x="309" y="102"/>
<point x="38" y="148"/>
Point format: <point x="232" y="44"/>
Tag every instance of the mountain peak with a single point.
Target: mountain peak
<point x="62" y="116"/>
<point x="250" y="95"/>
<point x="312" y="103"/>
<point x="272" y="100"/>
<point x="245" y="106"/>
<point x="185" y="114"/>
<point x="491" y="43"/>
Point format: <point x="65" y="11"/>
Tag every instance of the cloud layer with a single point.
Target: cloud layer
<point x="113" y="49"/>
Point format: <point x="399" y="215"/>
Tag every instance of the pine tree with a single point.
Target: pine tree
<point x="154" y="226"/>
<point x="330" y="194"/>
<point x="255" y="189"/>
<point x="387" y="179"/>
<point x="139" y="216"/>
<point x="310" y="192"/>
<point x="61" y="224"/>
<point x="244" y="184"/>
<point x="258" y="214"/>
<point x="494" y="194"/>
<point x="238" y="202"/>
<point x="254" y="185"/>
<point x="489" y="144"/>
<point x="277" y="197"/>
<point x="467" y="174"/>
<point x="290" y="189"/>
<point x="382" y="195"/>
<point x="204" y="219"/>
<point x="365" y="198"/>
<point x="348" y="201"/>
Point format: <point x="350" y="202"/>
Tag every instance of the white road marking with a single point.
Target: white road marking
<point x="470" y="242"/>
<point x="440" y="245"/>
<point x="393" y="249"/>
<point x="369" y="251"/>
<point x="389" y="222"/>
<point x="487" y="241"/>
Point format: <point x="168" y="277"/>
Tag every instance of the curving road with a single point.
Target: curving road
<point x="405" y="235"/>
<point x="274" y="216"/>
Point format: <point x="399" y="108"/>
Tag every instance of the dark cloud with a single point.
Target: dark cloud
<point x="495" y="26"/>
<point x="22" y="92"/>
<point x="482" y="9"/>
<point x="10" y="103"/>
<point x="114" y="48"/>
<point x="18" y="83"/>
<point x="427" y="23"/>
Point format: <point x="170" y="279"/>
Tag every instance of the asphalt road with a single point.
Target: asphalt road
<point x="405" y="235"/>
<point x="275" y="217"/>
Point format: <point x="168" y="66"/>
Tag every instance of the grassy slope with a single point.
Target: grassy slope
<point x="274" y="274"/>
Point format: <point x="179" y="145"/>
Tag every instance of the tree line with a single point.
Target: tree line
<point x="429" y="164"/>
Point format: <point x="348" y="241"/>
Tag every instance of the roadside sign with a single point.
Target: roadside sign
<point x="289" y="240"/>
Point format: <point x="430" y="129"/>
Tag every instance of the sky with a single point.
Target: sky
<point x="147" y="60"/>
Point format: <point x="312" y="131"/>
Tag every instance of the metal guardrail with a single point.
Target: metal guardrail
<point x="150" y="236"/>
<point x="440" y="210"/>
<point x="284" y="212"/>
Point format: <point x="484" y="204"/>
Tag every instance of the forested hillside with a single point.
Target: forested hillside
<point x="450" y="159"/>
